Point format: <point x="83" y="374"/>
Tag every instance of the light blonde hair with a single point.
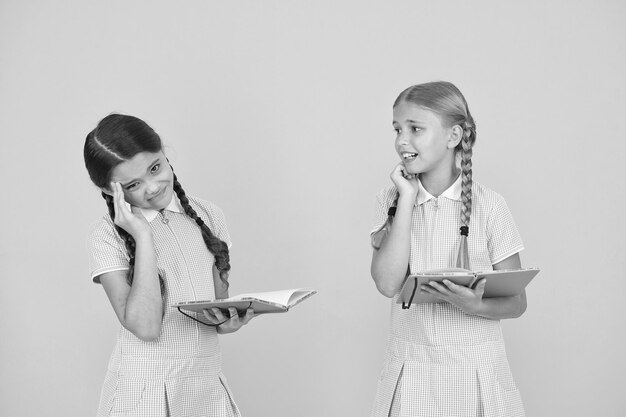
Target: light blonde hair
<point x="447" y="101"/>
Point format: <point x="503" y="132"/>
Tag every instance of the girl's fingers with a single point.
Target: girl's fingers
<point x="430" y="290"/>
<point x="137" y="212"/>
<point x="212" y="317"/>
<point x="451" y="285"/>
<point x="398" y="171"/>
<point x="405" y="173"/>
<point x="115" y="207"/>
<point x="218" y="314"/>
<point x="249" y="315"/>
<point x="234" y="316"/>
<point x="121" y="201"/>
<point x="480" y="286"/>
<point x="118" y="199"/>
<point x="440" y="288"/>
<point x="456" y="289"/>
<point x="209" y="316"/>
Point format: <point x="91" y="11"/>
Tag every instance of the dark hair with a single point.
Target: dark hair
<point x="118" y="138"/>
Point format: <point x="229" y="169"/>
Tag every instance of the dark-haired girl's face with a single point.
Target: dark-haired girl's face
<point x="147" y="180"/>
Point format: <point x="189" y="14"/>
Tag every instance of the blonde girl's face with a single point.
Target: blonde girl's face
<point x="147" y="180"/>
<point x="423" y="143"/>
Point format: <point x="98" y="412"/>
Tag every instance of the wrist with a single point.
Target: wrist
<point x="407" y="199"/>
<point x="476" y="309"/>
<point x="143" y="237"/>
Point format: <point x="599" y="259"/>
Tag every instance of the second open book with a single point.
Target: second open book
<point x="262" y="302"/>
<point x="502" y="283"/>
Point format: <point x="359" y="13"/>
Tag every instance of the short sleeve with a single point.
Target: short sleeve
<point x="503" y="238"/>
<point x="107" y="251"/>
<point x="216" y="220"/>
<point x="384" y="200"/>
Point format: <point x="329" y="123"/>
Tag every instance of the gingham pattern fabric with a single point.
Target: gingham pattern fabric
<point x="178" y="374"/>
<point x="441" y="361"/>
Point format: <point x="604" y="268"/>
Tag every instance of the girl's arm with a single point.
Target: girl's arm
<point x="471" y="301"/>
<point x="391" y="262"/>
<point x="503" y="307"/>
<point x="139" y="307"/>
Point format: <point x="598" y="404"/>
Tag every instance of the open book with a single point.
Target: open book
<point x="261" y="302"/>
<point x="503" y="283"/>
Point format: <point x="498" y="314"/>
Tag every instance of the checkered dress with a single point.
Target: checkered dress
<point x="178" y="374"/>
<point x="441" y="361"/>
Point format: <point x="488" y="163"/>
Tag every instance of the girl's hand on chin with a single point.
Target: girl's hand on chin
<point x="131" y="220"/>
<point x="405" y="183"/>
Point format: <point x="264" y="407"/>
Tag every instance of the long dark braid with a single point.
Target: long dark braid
<point x="216" y="246"/>
<point x="118" y="138"/>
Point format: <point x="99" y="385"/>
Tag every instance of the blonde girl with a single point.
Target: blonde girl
<point x="155" y="247"/>
<point x="446" y="358"/>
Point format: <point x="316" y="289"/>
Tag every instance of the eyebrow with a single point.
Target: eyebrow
<point x="149" y="168"/>
<point x="417" y="122"/>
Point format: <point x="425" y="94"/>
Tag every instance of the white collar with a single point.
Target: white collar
<point x="150" y="214"/>
<point x="453" y="192"/>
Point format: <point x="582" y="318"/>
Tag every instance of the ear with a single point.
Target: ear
<point x="455" y="136"/>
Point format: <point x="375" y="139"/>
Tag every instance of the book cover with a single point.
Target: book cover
<point x="501" y="283"/>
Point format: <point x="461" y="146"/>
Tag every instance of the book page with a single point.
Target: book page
<point x="445" y="271"/>
<point x="505" y="271"/>
<point x="283" y="297"/>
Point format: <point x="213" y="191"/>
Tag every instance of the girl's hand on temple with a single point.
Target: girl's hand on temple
<point x="228" y="325"/>
<point x="468" y="300"/>
<point x="131" y="220"/>
<point x="405" y="183"/>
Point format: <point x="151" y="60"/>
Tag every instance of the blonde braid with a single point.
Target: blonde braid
<point x="466" y="174"/>
<point x="379" y="236"/>
<point x="446" y="100"/>
<point x="469" y="136"/>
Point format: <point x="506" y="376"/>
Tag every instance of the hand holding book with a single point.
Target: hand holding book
<point x="229" y="320"/>
<point x="261" y="302"/>
<point x="467" y="298"/>
<point x="501" y="283"/>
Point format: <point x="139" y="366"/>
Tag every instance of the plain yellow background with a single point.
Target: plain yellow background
<point x="280" y="112"/>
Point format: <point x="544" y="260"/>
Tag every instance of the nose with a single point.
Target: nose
<point x="401" y="139"/>
<point x="152" y="188"/>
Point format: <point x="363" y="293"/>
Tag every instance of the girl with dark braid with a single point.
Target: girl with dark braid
<point x="157" y="247"/>
<point x="446" y="358"/>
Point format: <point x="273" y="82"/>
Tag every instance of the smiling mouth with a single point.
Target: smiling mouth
<point x="408" y="156"/>
<point x="157" y="195"/>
